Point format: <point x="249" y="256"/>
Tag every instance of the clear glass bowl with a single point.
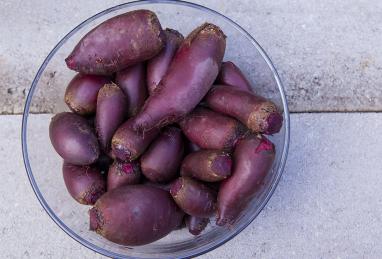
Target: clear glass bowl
<point x="43" y="165"/>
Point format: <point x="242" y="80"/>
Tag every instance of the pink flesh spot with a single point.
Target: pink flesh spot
<point x="70" y="63"/>
<point x="176" y="186"/>
<point x="127" y="168"/>
<point x="265" y="145"/>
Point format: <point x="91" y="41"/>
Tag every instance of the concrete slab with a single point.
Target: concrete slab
<point x="327" y="205"/>
<point x="327" y="52"/>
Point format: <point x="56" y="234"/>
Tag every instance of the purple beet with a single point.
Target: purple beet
<point x="161" y="161"/>
<point x="132" y="81"/>
<point x="157" y="66"/>
<point x="111" y="113"/>
<point x="84" y="183"/>
<point x="231" y="75"/>
<point x="196" y="225"/>
<point x="81" y="93"/>
<point x="135" y="215"/>
<point x="73" y="139"/>
<point x="123" y="173"/>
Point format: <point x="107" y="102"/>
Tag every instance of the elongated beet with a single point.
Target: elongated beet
<point x="81" y="93"/>
<point x="256" y="112"/>
<point x="111" y="112"/>
<point x="117" y="43"/>
<point x="123" y="173"/>
<point x="188" y="79"/>
<point x="158" y="66"/>
<point x="160" y="163"/>
<point x="193" y="197"/>
<point x="230" y="74"/>
<point x="128" y="144"/>
<point x="135" y="215"/>
<point x="196" y="225"/>
<point x="211" y="130"/>
<point x="84" y="183"/>
<point x="73" y="139"/>
<point x="253" y="156"/>
<point x="207" y="165"/>
<point x="132" y="81"/>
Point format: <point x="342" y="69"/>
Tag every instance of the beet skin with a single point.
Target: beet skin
<point x="135" y="215"/>
<point x="81" y="93"/>
<point x="193" y="197"/>
<point x="207" y="165"/>
<point x="111" y="113"/>
<point x="84" y="183"/>
<point x="123" y="173"/>
<point x="132" y="81"/>
<point x="231" y="75"/>
<point x="189" y="77"/>
<point x="73" y="139"/>
<point x="118" y="43"/>
<point x="158" y="66"/>
<point x="211" y="130"/>
<point x="196" y="225"/>
<point x="253" y="158"/>
<point x="160" y="163"/>
<point x="257" y="113"/>
<point x="127" y="144"/>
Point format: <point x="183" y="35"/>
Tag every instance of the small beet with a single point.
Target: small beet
<point x="123" y="173"/>
<point x="84" y="183"/>
<point x="211" y="130"/>
<point x="158" y="66"/>
<point x="73" y="139"/>
<point x="111" y="112"/>
<point x="253" y="156"/>
<point x="81" y="93"/>
<point x="231" y="75"/>
<point x="135" y="215"/>
<point x="196" y="225"/>
<point x="256" y="112"/>
<point x="128" y="145"/>
<point x="207" y="165"/>
<point x="118" y="43"/>
<point x="160" y="163"/>
<point x="132" y="81"/>
<point x="193" y="197"/>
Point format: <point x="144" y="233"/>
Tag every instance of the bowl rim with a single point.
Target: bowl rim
<point x="32" y="181"/>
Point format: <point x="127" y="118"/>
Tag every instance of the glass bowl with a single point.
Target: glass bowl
<point x="43" y="165"/>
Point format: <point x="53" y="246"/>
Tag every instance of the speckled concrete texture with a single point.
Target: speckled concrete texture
<point x="327" y="52"/>
<point x="328" y="203"/>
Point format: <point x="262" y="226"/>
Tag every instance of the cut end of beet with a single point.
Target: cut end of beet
<point x="265" y="145"/>
<point x="127" y="168"/>
<point x="70" y="63"/>
<point x="176" y="186"/>
<point x="221" y="165"/>
<point x="121" y="153"/>
<point x="94" y="223"/>
<point x="274" y="121"/>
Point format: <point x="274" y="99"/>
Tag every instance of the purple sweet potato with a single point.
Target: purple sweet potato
<point x="135" y="215"/>
<point x="132" y="81"/>
<point x="160" y="163"/>
<point x="207" y="165"/>
<point x="196" y="225"/>
<point x="111" y="113"/>
<point x="127" y="144"/>
<point x="253" y="156"/>
<point x="118" y="43"/>
<point x="189" y="77"/>
<point x="193" y="197"/>
<point x="84" y="183"/>
<point x="158" y="66"/>
<point x="73" y="139"/>
<point x="211" y="130"/>
<point x="123" y="173"/>
<point x="231" y="75"/>
<point x="257" y="113"/>
<point x="81" y="93"/>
